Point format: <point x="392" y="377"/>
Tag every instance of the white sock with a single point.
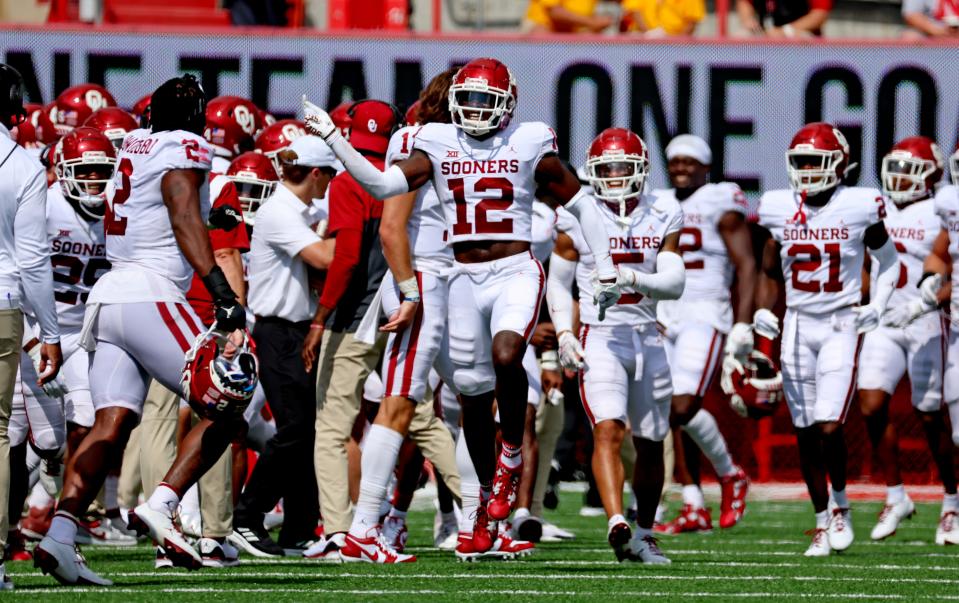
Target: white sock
<point x="39" y="497"/>
<point x="704" y="430"/>
<point x="190" y="503"/>
<point x="511" y="457"/>
<point x="63" y="528"/>
<point x="839" y="497"/>
<point x="469" y="485"/>
<point x="615" y="519"/>
<point x="397" y="514"/>
<point x="640" y="533"/>
<point x="660" y="512"/>
<point x="822" y="520"/>
<point x="950" y="502"/>
<point x="164" y="499"/>
<point x="382" y="447"/>
<point x="693" y="496"/>
<point x="895" y="494"/>
<point x="954" y="417"/>
<point x="110" y="487"/>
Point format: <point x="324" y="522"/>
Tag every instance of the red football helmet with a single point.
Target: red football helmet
<point x="412" y="117"/>
<point x="36" y="130"/>
<point x="218" y="387"/>
<point x="817" y="158"/>
<point x="231" y="124"/>
<point x="277" y="136"/>
<point x="84" y="161"/>
<point x="617" y="165"/>
<point x="141" y="110"/>
<point x="482" y="97"/>
<point x="911" y="169"/>
<point x="755" y="386"/>
<point x="113" y="122"/>
<point x="255" y="177"/>
<point x="77" y="103"/>
<point x="263" y="121"/>
<point x="341" y="118"/>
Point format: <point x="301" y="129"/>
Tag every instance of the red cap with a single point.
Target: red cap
<point x="373" y="124"/>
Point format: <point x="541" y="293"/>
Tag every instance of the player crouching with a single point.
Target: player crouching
<point x="625" y="378"/>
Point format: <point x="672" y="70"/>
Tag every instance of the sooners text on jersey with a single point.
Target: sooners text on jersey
<point x="913" y="229"/>
<point x="947" y="208"/>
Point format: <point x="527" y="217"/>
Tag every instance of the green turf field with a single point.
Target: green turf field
<point x="759" y="559"/>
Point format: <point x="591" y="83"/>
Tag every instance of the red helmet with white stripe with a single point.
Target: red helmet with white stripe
<point x="141" y="110"/>
<point x="231" y="123"/>
<point x="482" y="97"/>
<point x="255" y="178"/>
<point x="36" y="131"/>
<point x="341" y="118"/>
<point x="77" y="103"/>
<point x="817" y="158"/>
<point x="216" y="385"/>
<point x="113" y="122"/>
<point x="911" y="169"/>
<point x="617" y="165"/>
<point x="755" y="387"/>
<point x="278" y="136"/>
<point x="84" y="161"/>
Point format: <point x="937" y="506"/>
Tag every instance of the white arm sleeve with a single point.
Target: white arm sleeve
<point x="667" y="282"/>
<point x="32" y="249"/>
<point x="559" y="292"/>
<point x="381" y="185"/>
<point x="594" y="231"/>
<point x="888" y="259"/>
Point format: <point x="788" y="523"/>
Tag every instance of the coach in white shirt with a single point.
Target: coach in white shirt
<point x="283" y="249"/>
<point x="26" y="276"/>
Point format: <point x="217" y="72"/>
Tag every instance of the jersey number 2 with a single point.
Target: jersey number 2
<point x="113" y="225"/>
<point x="482" y="226"/>
<point x="811" y="263"/>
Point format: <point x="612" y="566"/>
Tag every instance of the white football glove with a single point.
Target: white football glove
<point x="929" y="289"/>
<point x="867" y="318"/>
<point x="903" y="315"/>
<point x="570" y="351"/>
<point x="740" y="340"/>
<point x="56" y="387"/>
<point x="766" y="324"/>
<point x="318" y="122"/>
<point x="605" y="295"/>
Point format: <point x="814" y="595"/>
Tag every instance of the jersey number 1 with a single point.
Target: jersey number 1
<point x="813" y="261"/>
<point x="483" y="226"/>
<point x="112" y="225"/>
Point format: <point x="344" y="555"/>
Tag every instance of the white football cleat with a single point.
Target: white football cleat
<point x="102" y="532"/>
<point x="554" y="533"/>
<point x="445" y="536"/>
<point x="5" y="583"/>
<point x="218" y="554"/>
<point x="395" y="533"/>
<point x="840" y="529"/>
<point x="646" y="549"/>
<point x="819" y="547"/>
<point x="159" y="526"/>
<point x="327" y="548"/>
<point x="948" y="530"/>
<point x="65" y="563"/>
<point x="372" y="549"/>
<point x="890" y="516"/>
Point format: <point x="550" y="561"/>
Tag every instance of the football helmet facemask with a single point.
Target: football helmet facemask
<point x="617" y="165"/>
<point x="482" y="97"/>
<point x="817" y="158"/>
<point x="255" y="178"/>
<point x="84" y="161"/>
<point x="754" y="387"/>
<point x="215" y="385"/>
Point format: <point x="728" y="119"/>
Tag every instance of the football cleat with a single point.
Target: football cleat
<point x="255" y="540"/>
<point x="395" y="533"/>
<point x="690" y="519"/>
<point x="505" y="485"/>
<point x="819" y="547"/>
<point x="16" y="548"/>
<point x="160" y="527"/>
<point x="482" y="538"/>
<point x="65" y="563"/>
<point x="554" y="533"/>
<point x="444" y="535"/>
<point x="645" y="549"/>
<point x="465" y="551"/>
<point x="218" y="554"/>
<point x="5" y="582"/>
<point x="733" y="505"/>
<point x="327" y="548"/>
<point x="101" y="532"/>
<point x="890" y="516"/>
<point x="527" y="527"/>
<point x="840" y="529"/>
<point x="373" y="549"/>
<point x="619" y="537"/>
<point x="948" y="530"/>
<point x="507" y="548"/>
<point x="162" y="561"/>
<point x="35" y="525"/>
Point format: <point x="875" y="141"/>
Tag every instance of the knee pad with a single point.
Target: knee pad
<point x="48" y="442"/>
<point x="474" y="381"/>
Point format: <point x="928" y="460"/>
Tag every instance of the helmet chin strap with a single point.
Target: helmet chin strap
<point x="800" y="216"/>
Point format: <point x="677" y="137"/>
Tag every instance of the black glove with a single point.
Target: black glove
<point x="224" y="217"/>
<point x="228" y="312"/>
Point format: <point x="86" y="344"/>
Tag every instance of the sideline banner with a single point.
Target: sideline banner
<point x="745" y="99"/>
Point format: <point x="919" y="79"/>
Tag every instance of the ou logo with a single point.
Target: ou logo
<point x="95" y="100"/>
<point x="244" y="118"/>
<point x="292" y="131"/>
<point x="371" y="125"/>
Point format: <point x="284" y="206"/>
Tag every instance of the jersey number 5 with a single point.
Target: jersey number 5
<point x="112" y="225"/>
<point x="483" y="226"/>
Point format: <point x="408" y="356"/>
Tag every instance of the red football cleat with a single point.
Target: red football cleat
<point x="16" y="547"/>
<point x="733" y="505"/>
<point x="505" y="485"/>
<point x="35" y="525"/>
<point x="372" y="550"/>
<point x="507" y="548"/>
<point x="689" y="519"/>
<point x="482" y="538"/>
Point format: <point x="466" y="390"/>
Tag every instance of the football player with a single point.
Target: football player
<point x="911" y="339"/>
<point x="231" y="126"/>
<point x="137" y="315"/>
<point x="625" y="378"/>
<point x="820" y="232"/>
<point x="276" y="137"/>
<point x="715" y="244"/>
<point x="485" y="169"/>
<point x="113" y="122"/>
<point x="254" y="181"/>
<point x="76" y="104"/>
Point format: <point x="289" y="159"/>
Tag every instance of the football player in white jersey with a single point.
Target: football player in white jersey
<point x="715" y="244"/>
<point x="156" y="236"/>
<point x="820" y="231"/>
<point x="485" y="170"/>
<point x="912" y="337"/>
<point x="625" y="378"/>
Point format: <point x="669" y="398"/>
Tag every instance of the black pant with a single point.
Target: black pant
<point x="285" y="469"/>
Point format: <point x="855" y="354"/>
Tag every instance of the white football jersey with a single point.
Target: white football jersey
<point x="147" y="262"/>
<point x="913" y="229"/>
<point x="427" y="226"/>
<point x="947" y="208"/>
<point x="78" y="255"/>
<point x="544" y="231"/>
<point x="486" y="186"/>
<point x="822" y="259"/>
<point x="709" y="273"/>
<point x="635" y="246"/>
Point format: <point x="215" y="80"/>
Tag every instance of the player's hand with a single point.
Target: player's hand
<point x="867" y="317"/>
<point x="731" y="365"/>
<point x="311" y="346"/>
<point x="903" y="315"/>
<point x="766" y="324"/>
<point x="929" y="287"/>
<point x="740" y="340"/>
<point x="318" y="122"/>
<point x="402" y="318"/>
<point x="551" y="380"/>
<point x="570" y="351"/>
<point x="47" y="359"/>
<point x="605" y="295"/>
<point x="229" y="315"/>
<point x="224" y="218"/>
<point x="544" y="336"/>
